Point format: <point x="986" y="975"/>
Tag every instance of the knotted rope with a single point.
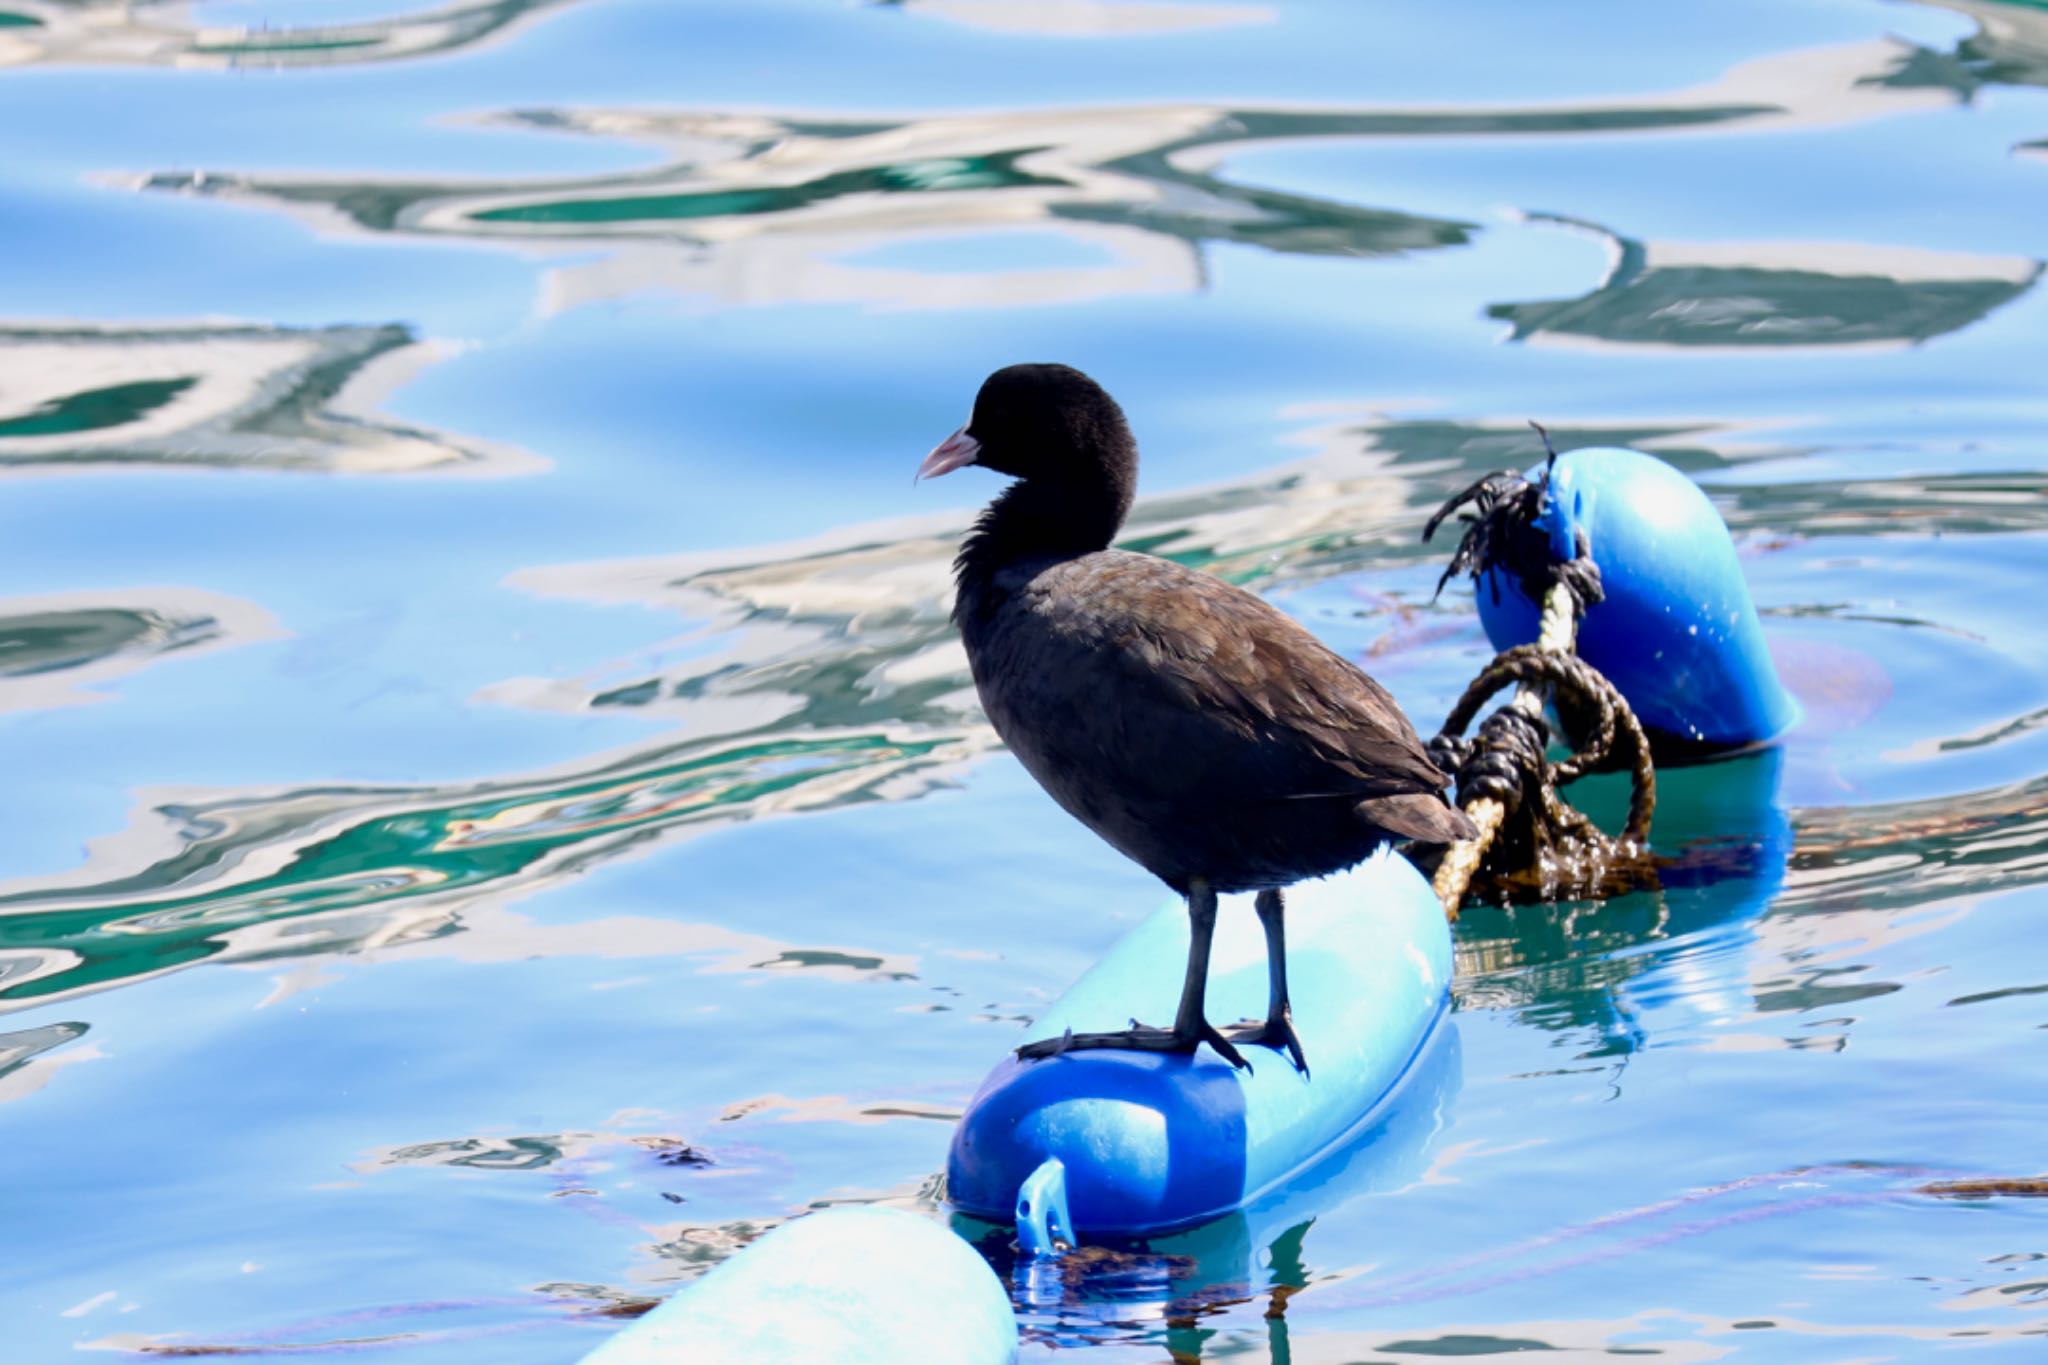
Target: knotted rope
<point x="1531" y="842"/>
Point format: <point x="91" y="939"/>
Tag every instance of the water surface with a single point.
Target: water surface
<point x="495" y="815"/>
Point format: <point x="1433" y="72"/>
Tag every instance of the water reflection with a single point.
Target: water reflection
<point x="1089" y="18"/>
<point x="476" y="1049"/>
<point x="1773" y="294"/>
<point x="1058" y="205"/>
<point x="760" y="208"/>
<point x="23" y="1046"/>
<point x="59" y="648"/>
<point x="534" y="1152"/>
<point x="1756" y="925"/>
<point x="1965" y="502"/>
<point x="1573" y="968"/>
<point x="257" y="877"/>
<point x="224" y="396"/>
<point x="160" y="33"/>
<point x="2010" y="47"/>
<point x="1061" y="204"/>
<point x="1668" y="1335"/>
<point x="1890" y="858"/>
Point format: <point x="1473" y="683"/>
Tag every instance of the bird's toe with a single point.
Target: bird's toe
<point x="1277" y="1034"/>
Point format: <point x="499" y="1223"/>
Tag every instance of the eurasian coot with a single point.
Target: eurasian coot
<point x="1200" y="731"/>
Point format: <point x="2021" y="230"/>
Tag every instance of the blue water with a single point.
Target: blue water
<point x="493" y="816"/>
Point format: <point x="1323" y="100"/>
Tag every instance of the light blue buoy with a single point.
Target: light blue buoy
<point x="1677" y="632"/>
<point x="1149" y="1142"/>
<point x="854" y="1286"/>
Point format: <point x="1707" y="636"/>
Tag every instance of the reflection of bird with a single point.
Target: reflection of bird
<point x="1200" y="731"/>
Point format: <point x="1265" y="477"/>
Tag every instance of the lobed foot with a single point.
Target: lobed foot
<point x="1137" y="1038"/>
<point x="1277" y="1033"/>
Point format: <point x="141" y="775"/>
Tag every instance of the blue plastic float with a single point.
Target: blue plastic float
<point x="1677" y="632"/>
<point x="1253" y="1249"/>
<point x="1146" y="1143"/>
<point x="854" y="1286"/>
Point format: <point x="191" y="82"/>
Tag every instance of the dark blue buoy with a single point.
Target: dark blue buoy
<point x="1246" y="1252"/>
<point x="1145" y="1143"/>
<point x="1676" y="632"/>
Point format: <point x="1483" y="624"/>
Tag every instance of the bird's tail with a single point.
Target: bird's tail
<point x="1423" y="816"/>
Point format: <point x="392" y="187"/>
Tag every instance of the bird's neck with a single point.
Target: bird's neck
<point x="1032" y="520"/>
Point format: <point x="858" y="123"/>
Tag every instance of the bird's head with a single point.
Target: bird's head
<point x="1049" y="425"/>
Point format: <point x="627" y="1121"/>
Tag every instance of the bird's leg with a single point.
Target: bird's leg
<point x="1278" y="1030"/>
<point x="1191" y="1026"/>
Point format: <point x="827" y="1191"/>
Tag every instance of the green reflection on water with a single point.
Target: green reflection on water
<point x="95" y="409"/>
<point x="222" y="395"/>
<point x="44" y="642"/>
<point x="1678" y="303"/>
<point x="1122" y="166"/>
<point x="128" y="928"/>
<point x="1696" y="306"/>
<point x="23" y="1046"/>
<point x="257" y="45"/>
<point x="2010" y="47"/>
<point x="997" y="171"/>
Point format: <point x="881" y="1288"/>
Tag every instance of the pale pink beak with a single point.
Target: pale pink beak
<point x="948" y="455"/>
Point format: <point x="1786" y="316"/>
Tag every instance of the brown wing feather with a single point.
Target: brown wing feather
<point x="1220" y="657"/>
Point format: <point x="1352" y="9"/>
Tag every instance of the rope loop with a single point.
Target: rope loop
<point x="1514" y="734"/>
<point x="1533" y="840"/>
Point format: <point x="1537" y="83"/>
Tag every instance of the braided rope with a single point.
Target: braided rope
<point x="1506" y="764"/>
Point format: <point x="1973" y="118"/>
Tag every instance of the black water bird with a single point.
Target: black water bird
<point x="1200" y="731"/>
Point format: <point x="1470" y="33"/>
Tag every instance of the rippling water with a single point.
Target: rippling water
<point x="495" y="816"/>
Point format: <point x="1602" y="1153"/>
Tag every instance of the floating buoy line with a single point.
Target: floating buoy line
<point x="1610" y="585"/>
<point x="1610" y="588"/>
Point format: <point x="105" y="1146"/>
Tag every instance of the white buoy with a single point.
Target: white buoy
<point x="853" y="1286"/>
